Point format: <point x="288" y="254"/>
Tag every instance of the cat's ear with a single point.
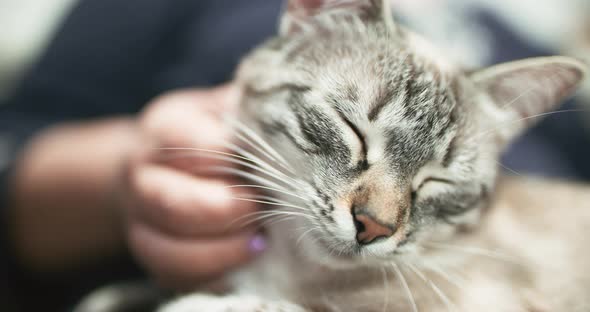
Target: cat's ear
<point x="526" y="90"/>
<point x="299" y="13"/>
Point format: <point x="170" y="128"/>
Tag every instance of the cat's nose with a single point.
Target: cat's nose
<point x="369" y="229"/>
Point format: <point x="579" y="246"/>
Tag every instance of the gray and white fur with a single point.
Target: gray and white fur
<point x="381" y="161"/>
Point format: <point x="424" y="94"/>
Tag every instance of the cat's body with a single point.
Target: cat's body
<point x="382" y="156"/>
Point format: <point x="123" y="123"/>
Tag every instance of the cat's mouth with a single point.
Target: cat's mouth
<point x="352" y="252"/>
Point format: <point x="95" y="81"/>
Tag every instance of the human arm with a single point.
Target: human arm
<point x="81" y="190"/>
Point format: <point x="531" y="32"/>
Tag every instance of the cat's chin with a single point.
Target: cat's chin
<point x="318" y="252"/>
<point x="351" y="261"/>
<point x="339" y="262"/>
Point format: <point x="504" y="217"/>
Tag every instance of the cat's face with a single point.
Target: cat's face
<point x="387" y="146"/>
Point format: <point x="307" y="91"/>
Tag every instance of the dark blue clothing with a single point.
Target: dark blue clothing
<point x="111" y="57"/>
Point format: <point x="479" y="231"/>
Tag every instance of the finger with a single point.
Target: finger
<point x="184" y="205"/>
<point x="177" y="262"/>
<point x="187" y="128"/>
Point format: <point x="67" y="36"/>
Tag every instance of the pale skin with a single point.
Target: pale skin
<point x="86" y="191"/>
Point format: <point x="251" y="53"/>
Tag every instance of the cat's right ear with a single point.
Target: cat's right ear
<point x="299" y="14"/>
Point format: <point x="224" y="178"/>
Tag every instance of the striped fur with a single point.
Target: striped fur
<point x="364" y="112"/>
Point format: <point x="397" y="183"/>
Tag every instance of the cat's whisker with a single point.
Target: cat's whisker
<point x="264" y="198"/>
<point x="442" y="296"/>
<point x="249" y="215"/>
<point x="249" y="161"/>
<point x="254" y="167"/>
<point x="509" y="169"/>
<point x="297" y="230"/>
<point x="262" y="187"/>
<point x="250" y="220"/>
<point x="520" y="96"/>
<point x="258" y="161"/>
<point x="331" y="305"/>
<point x="270" y="203"/>
<point x="268" y="169"/>
<point x="279" y="220"/>
<point x="296" y="214"/>
<point x="509" y="103"/>
<point x="476" y="251"/>
<point x="316" y="239"/>
<point x="231" y="158"/>
<point x="514" y="122"/>
<point x="248" y="175"/>
<point x="190" y="152"/>
<point x="268" y="214"/>
<point x="270" y="151"/>
<point x="262" y="151"/>
<point x="336" y="248"/>
<point x="405" y="286"/>
<point x="300" y="228"/>
<point x="331" y="251"/>
<point x="302" y="236"/>
<point x="386" y="286"/>
<point x="445" y="275"/>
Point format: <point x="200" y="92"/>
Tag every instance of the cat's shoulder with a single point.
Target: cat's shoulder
<point x="545" y="198"/>
<point x="537" y="187"/>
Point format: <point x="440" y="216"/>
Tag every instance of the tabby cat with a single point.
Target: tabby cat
<point x="380" y="159"/>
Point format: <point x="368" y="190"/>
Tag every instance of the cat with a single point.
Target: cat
<point x="380" y="156"/>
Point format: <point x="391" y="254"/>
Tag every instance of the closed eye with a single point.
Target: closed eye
<point x="435" y="180"/>
<point x="363" y="163"/>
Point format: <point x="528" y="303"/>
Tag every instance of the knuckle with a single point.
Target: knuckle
<point x="169" y="208"/>
<point x="135" y="178"/>
<point x="153" y="197"/>
<point x="215" y="213"/>
<point x="223" y="213"/>
<point x="164" y="107"/>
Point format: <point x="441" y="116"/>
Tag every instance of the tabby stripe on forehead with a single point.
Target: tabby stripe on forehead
<point x="409" y="81"/>
<point x="385" y="97"/>
<point x="388" y="94"/>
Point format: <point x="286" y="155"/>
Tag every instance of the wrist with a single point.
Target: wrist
<point x="64" y="213"/>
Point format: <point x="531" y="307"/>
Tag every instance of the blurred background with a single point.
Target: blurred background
<point x="25" y="28"/>
<point x="44" y="43"/>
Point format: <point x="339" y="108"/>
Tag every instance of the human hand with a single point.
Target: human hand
<point x="179" y="213"/>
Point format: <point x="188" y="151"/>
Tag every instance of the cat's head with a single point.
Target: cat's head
<point x="388" y="144"/>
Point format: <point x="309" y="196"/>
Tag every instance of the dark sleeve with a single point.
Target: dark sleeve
<point x="102" y="59"/>
<point x="101" y="62"/>
<point x="110" y="57"/>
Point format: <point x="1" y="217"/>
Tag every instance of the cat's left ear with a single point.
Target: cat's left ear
<point x="525" y="90"/>
<point x="299" y="13"/>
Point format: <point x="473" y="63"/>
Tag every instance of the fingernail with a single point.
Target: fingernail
<point x="258" y="244"/>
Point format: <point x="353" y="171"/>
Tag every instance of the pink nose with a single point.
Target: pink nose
<point x="369" y="229"/>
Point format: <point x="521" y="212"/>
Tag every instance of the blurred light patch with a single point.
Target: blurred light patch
<point x="25" y="27"/>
